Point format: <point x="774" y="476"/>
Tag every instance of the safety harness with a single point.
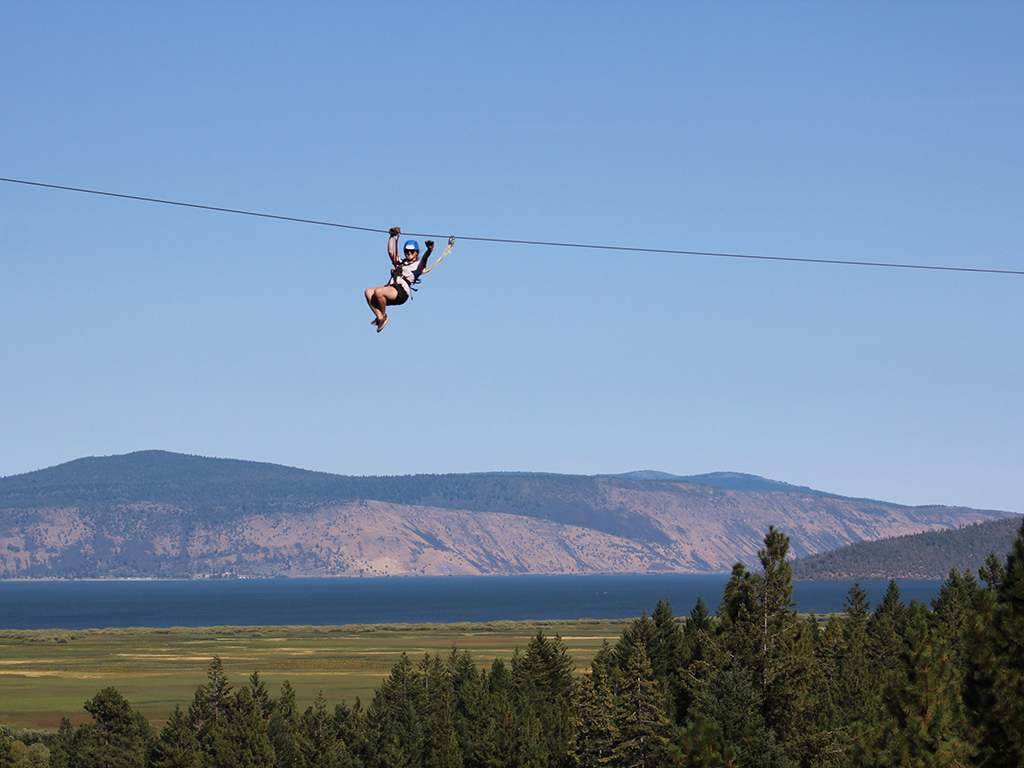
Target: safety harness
<point x="396" y="271"/>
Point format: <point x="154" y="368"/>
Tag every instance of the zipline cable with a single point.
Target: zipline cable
<point x="631" y="249"/>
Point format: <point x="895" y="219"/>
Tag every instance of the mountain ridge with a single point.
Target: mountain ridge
<point x="161" y="514"/>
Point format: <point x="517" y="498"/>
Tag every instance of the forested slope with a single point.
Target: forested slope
<point x="928" y="555"/>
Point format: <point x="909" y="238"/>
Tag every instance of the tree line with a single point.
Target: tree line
<point x="755" y="685"/>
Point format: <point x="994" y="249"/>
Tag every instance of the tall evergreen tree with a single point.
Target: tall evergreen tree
<point x="441" y="747"/>
<point x="855" y="686"/>
<point x="700" y="619"/>
<point x="545" y="686"/>
<point x="639" y="632"/>
<point x="695" y="653"/>
<point x="765" y="633"/>
<point x="668" y="656"/>
<point x="738" y="597"/>
<point x="350" y="725"/>
<point x="992" y="572"/>
<point x="210" y="703"/>
<point x="61" y="747"/>
<point x="597" y="733"/>
<point x="319" y="743"/>
<point x="727" y="707"/>
<point x="240" y="738"/>
<point x="951" y="610"/>
<point x="394" y="730"/>
<point x="261" y="695"/>
<point x="177" y="746"/>
<point x="286" y="731"/>
<point x="115" y="738"/>
<point x="857" y="607"/>
<point x="641" y="724"/>
<point x="464" y="676"/>
<point x="924" y="718"/>
<point x="492" y="714"/>
<point x="886" y="632"/>
<point x="995" y="681"/>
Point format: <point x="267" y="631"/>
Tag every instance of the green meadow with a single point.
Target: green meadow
<point x="49" y="674"/>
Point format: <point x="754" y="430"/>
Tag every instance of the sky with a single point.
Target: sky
<point x="882" y="132"/>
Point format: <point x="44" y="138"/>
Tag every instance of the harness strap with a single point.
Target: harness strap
<point x="451" y="242"/>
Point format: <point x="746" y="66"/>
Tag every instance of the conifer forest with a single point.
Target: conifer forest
<point x="752" y="684"/>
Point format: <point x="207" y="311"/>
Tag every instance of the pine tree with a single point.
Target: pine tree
<point x="33" y="755"/>
<point x="440" y="744"/>
<point x="286" y="731"/>
<point x="758" y="643"/>
<point x="492" y="720"/>
<point x="639" y="632"/>
<point x="764" y="636"/>
<point x="992" y="572"/>
<point x="319" y="744"/>
<point x="177" y="746"/>
<point x="667" y="654"/>
<point x="240" y="738"/>
<point x="886" y="631"/>
<point x="260" y="695"/>
<point x="738" y="597"/>
<point x="857" y="606"/>
<point x="700" y="619"/>
<point x="61" y="749"/>
<point x="813" y="726"/>
<point x="209" y="704"/>
<point x="546" y="699"/>
<point x="924" y="717"/>
<point x="464" y="677"/>
<point x="394" y="730"/>
<point x="641" y="724"/>
<point x="726" y="701"/>
<point x="350" y="725"/>
<point x="596" y="728"/>
<point x="695" y="653"/>
<point x="115" y="738"/>
<point x="995" y="680"/>
<point x="950" y="612"/>
<point x="856" y="684"/>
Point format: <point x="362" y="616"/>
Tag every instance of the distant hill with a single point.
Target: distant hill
<point x="928" y="555"/>
<point x="736" y="481"/>
<point x="159" y="514"/>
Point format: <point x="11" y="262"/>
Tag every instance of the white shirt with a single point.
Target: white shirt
<point x="408" y="274"/>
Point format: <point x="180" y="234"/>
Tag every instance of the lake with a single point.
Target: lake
<point x="270" y="602"/>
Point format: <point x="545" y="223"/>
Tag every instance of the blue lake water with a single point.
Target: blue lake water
<point x="270" y="602"/>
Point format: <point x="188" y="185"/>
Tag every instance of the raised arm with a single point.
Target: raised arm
<point x="393" y="234"/>
<point x="423" y="259"/>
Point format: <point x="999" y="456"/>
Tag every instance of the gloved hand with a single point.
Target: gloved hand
<point x="430" y="245"/>
<point x="395" y="231"/>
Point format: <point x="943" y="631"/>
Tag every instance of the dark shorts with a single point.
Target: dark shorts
<point x="403" y="295"/>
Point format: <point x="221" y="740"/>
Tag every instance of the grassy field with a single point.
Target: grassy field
<point x="47" y="674"/>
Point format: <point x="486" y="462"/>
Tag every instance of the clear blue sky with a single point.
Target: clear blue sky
<point x="857" y="131"/>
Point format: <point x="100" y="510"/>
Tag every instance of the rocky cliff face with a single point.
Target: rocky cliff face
<point x="164" y="515"/>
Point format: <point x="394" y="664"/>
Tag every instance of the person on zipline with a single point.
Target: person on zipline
<point x="405" y="273"/>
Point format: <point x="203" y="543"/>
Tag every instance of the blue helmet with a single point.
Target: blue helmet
<point x="412" y="245"/>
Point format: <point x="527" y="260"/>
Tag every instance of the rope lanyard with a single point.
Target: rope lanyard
<point x="451" y="242"/>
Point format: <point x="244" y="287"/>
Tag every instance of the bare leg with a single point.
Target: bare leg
<point x="378" y="298"/>
<point x="371" y="296"/>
